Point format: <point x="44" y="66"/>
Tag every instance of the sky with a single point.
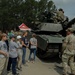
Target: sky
<point x="68" y="7"/>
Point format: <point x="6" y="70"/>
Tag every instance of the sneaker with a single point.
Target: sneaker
<point x="8" y="71"/>
<point x="16" y="74"/>
<point x="28" y="61"/>
<point x="64" y="74"/>
<point x="19" y="69"/>
<point x="25" y="65"/>
<point x="32" y="61"/>
<point x="71" y="74"/>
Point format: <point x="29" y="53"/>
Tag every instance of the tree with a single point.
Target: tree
<point x="46" y="10"/>
<point x="15" y="12"/>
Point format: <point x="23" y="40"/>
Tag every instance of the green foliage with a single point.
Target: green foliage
<point x="15" y="12"/>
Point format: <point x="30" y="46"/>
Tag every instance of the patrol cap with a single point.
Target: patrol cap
<point x="19" y="37"/>
<point x="70" y="29"/>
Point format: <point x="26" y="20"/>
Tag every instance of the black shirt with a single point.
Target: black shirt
<point x="24" y="39"/>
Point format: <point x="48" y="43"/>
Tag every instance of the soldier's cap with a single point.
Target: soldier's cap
<point x="70" y="29"/>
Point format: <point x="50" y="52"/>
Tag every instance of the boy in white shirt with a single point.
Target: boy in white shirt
<point x="19" y="51"/>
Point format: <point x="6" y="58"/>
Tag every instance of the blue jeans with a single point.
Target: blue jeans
<point x="24" y="55"/>
<point x="34" y="52"/>
<point x="12" y="61"/>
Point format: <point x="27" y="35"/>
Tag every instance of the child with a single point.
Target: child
<point x="13" y="47"/>
<point x="33" y="47"/>
<point x="3" y="54"/>
<point x="19" y="52"/>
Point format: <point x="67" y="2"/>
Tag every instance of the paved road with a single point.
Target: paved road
<point x="39" y="68"/>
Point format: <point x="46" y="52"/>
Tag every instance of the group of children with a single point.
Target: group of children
<point x="17" y="51"/>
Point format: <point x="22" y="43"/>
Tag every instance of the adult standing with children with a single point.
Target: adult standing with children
<point x="24" y="46"/>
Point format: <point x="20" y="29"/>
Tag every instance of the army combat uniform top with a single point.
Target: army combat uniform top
<point x="68" y="54"/>
<point x="60" y="15"/>
<point x="69" y="45"/>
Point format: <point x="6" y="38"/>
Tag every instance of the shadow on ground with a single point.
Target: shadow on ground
<point x="58" y="70"/>
<point x="55" y="59"/>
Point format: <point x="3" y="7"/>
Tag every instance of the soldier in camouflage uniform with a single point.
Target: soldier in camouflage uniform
<point x="59" y="16"/>
<point x="68" y="53"/>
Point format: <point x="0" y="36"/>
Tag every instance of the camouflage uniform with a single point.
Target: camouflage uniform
<point x="60" y="15"/>
<point x="63" y="46"/>
<point x="68" y="54"/>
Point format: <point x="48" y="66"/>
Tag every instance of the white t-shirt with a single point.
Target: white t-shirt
<point x="19" y="50"/>
<point x="34" y="42"/>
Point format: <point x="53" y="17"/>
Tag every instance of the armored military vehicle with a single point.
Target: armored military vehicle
<point x="49" y="39"/>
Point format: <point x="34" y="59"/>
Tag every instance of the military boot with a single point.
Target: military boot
<point x="64" y="74"/>
<point x="71" y="74"/>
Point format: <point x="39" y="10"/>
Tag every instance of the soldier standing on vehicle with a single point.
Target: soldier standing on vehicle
<point x="59" y="18"/>
<point x="60" y="15"/>
<point x="68" y="53"/>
